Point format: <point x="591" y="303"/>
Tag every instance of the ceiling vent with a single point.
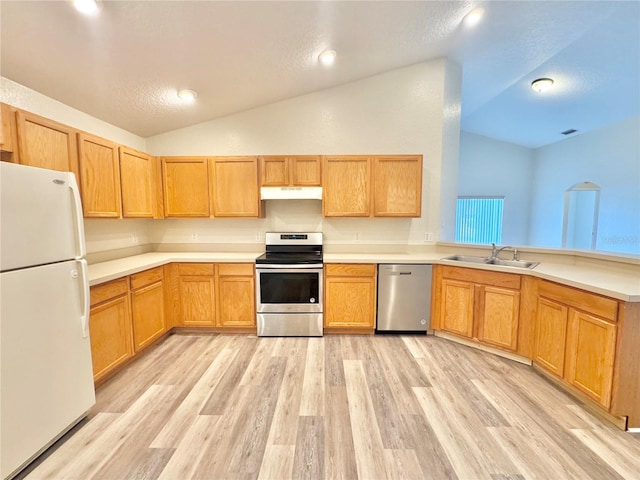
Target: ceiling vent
<point x="569" y="132"/>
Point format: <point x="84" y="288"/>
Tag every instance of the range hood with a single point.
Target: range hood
<point x="291" y="193"/>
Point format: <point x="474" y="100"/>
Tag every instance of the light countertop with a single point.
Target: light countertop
<point x="620" y="283"/>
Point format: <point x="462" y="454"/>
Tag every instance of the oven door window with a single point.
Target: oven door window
<point x="287" y="288"/>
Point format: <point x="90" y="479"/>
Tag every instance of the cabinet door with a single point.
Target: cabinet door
<point x="110" y="334"/>
<point x="498" y="319"/>
<point x="138" y="181"/>
<point x="551" y="335"/>
<point x="197" y="300"/>
<point x="148" y="314"/>
<point x="235" y="190"/>
<point x="457" y="307"/>
<point x="350" y="302"/>
<point x="397" y="186"/>
<point x="305" y="170"/>
<point x="8" y="137"/>
<point x="274" y="171"/>
<point x="591" y="344"/>
<point x="346" y="188"/>
<point x="185" y="184"/>
<point x="99" y="177"/>
<point x="46" y="144"/>
<point x="236" y="301"/>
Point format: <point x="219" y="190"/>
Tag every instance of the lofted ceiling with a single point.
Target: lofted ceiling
<point x="124" y="65"/>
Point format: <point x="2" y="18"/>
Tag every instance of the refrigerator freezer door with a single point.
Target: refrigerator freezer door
<point x="45" y="362"/>
<point x="41" y="217"/>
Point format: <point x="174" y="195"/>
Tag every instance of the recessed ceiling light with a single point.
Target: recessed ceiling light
<point x="327" y="57"/>
<point x="473" y="17"/>
<point x="542" y="84"/>
<point x="187" y="95"/>
<point x="88" y="7"/>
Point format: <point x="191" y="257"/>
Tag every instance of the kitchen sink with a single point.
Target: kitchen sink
<point x="511" y="263"/>
<point x="467" y="258"/>
<point x="492" y="261"/>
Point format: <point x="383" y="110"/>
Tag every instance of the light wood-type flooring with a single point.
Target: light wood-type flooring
<point x="367" y="407"/>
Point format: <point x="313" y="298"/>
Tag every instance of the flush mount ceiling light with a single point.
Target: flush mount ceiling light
<point x="187" y="95"/>
<point x="542" y="84"/>
<point x="473" y="17"/>
<point x="327" y="57"/>
<point x="88" y="7"/>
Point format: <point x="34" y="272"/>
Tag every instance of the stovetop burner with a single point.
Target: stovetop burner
<point x="292" y="249"/>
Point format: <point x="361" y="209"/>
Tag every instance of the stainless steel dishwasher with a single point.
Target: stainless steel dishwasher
<point x="404" y="298"/>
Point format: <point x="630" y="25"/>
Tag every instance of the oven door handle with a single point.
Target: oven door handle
<point x="301" y="266"/>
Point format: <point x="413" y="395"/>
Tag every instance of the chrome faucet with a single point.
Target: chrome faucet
<point x="495" y="251"/>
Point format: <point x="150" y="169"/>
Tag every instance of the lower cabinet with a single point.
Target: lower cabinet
<point x="350" y="296"/>
<point x="479" y="305"/>
<point x="575" y="339"/>
<point x="110" y="327"/>
<point x="217" y="295"/>
<point x="197" y="293"/>
<point x="235" y="287"/>
<point x="147" y="305"/>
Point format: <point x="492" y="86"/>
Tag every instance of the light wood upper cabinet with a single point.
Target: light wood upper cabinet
<point x="235" y="191"/>
<point x="110" y="327"/>
<point x="140" y="181"/>
<point x="397" y="186"/>
<point x="8" y="133"/>
<point x="99" y="177"/>
<point x="350" y="296"/>
<point x="295" y="171"/>
<point x="235" y="286"/>
<point x="185" y="183"/>
<point x="147" y="305"/>
<point x="346" y="189"/>
<point x="46" y="144"/>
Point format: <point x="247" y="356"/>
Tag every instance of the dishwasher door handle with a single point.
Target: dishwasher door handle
<point x="395" y="274"/>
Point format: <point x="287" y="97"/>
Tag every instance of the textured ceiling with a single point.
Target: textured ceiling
<point x="124" y="65"/>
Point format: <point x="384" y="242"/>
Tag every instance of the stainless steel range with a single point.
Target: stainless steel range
<point x="289" y="291"/>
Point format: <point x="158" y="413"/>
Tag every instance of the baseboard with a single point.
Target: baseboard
<point x="484" y="348"/>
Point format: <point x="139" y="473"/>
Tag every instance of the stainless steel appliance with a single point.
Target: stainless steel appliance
<point x="404" y="298"/>
<point x="45" y="359"/>
<point x="289" y="291"/>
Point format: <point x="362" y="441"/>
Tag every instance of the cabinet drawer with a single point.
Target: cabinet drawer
<point x="350" y="270"/>
<point x="195" y="268"/>
<point x="484" y="277"/>
<point x="145" y="278"/>
<point x="603" y="307"/>
<point x="235" y="269"/>
<point x="107" y="291"/>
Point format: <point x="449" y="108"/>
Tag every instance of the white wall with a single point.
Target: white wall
<point x="495" y="168"/>
<point x="610" y="158"/>
<point x="402" y="111"/>
<point x="22" y="97"/>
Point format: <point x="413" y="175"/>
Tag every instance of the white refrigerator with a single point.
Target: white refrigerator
<point x="46" y="378"/>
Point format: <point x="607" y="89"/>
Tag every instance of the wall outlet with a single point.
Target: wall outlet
<point x="134" y="238"/>
<point x="357" y="237"/>
<point x="428" y="237"/>
<point x="194" y="237"/>
<point x="259" y="237"/>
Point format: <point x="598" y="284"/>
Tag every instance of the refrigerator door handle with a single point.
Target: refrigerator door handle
<point x="86" y="295"/>
<point x="77" y="207"/>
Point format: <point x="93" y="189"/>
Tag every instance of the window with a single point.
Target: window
<point x="479" y="220"/>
